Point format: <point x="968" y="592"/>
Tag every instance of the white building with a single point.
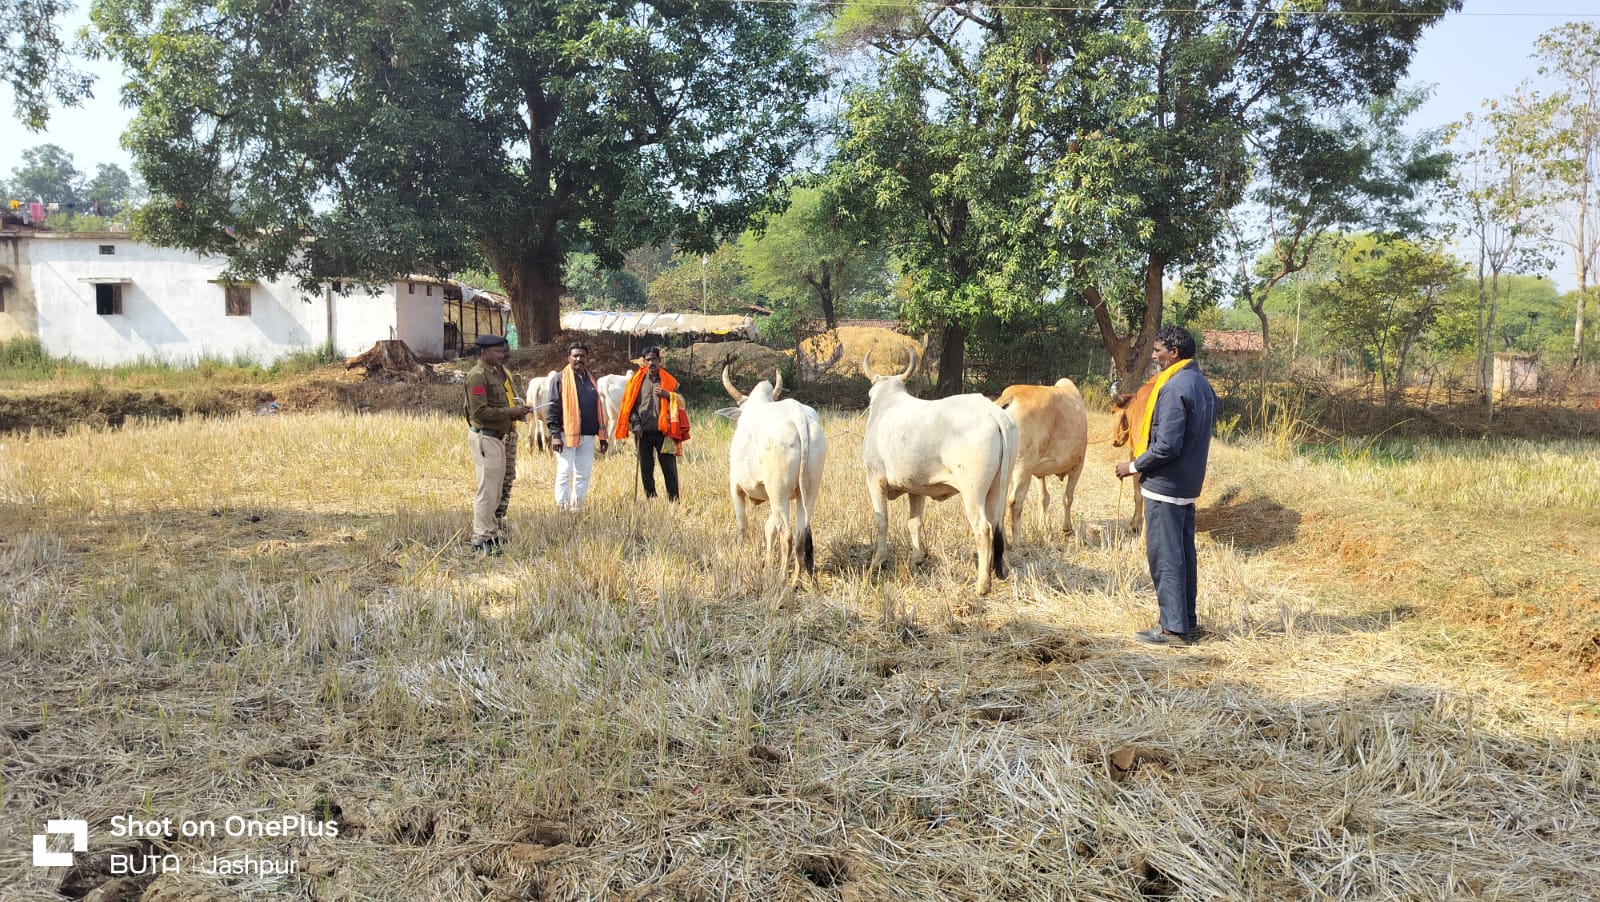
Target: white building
<point x="105" y="298"/>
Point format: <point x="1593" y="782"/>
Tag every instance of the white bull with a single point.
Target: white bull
<point x="963" y="445"/>
<point x="611" y="389"/>
<point x="539" y="399"/>
<point x="776" y="457"/>
<point x="1054" y="426"/>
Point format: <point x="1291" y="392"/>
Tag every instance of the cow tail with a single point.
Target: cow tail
<point x="1008" y="459"/>
<point x="802" y="537"/>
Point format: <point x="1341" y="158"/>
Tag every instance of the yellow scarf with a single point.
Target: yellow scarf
<point x="1141" y="434"/>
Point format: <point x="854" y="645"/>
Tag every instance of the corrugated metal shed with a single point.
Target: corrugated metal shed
<point x="664" y="324"/>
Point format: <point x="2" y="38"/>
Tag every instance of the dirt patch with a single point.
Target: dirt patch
<point x="97" y="407"/>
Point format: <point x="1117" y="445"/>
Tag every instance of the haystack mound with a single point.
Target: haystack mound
<point x="744" y="359"/>
<point x="889" y="350"/>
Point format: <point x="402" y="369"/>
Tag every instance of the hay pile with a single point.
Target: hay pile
<point x="847" y="345"/>
<point x="705" y="360"/>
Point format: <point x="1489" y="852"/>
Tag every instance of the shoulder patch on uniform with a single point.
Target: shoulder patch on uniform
<point x="480" y="389"/>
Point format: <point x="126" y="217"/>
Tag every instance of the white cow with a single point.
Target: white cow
<point x="776" y="456"/>
<point x="963" y="445"/>
<point x="611" y="390"/>
<point x="1055" y="435"/>
<point x="539" y="399"/>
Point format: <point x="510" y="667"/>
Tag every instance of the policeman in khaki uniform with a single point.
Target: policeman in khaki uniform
<point x="492" y="411"/>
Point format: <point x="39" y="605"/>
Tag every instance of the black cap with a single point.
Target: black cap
<point x="491" y="341"/>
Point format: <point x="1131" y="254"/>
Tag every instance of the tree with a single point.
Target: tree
<point x="1568" y="146"/>
<point x="940" y="151"/>
<point x="1097" y="149"/>
<point x="1315" y="174"/>
<point x="109" y="191"/>
<point x="37" y="63"/>
<point x="1201" y="96"/>
<point x="804" y="258"/>
<point x="370" y="138"/>
<point x="47" y="174"/>
<point x="595" y="287"/>
<point x="715" y="283"/>
<point x="1499" y="204"/>
<point x="1382" y="299"/>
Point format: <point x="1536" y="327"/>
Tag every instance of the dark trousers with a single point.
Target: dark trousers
<point x="1169" y="546"/>
<point x="649" y="450"/>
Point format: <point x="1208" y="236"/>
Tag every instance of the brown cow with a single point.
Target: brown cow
<point x="1125" y="411"/>
<point x="1055" y="434"/>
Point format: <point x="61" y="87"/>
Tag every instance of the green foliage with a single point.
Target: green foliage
<point x="1383" y="299"/>
<point x="436" y="135"/>
<point x="38" y="66"/>
<point x="24" y="358"/>
<point x="807" y="259"/>
<point x="716" y="283"/>
<point x="1562" y="131"/>
<point x="47" y="174"/>
<point x="1017" y="152"/>
<point x="597" y="288"/>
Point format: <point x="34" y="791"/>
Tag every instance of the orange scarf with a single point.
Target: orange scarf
<point x="571" y="417"/>
<point x="630" y="397"/>
<point x="1141" y="430"/>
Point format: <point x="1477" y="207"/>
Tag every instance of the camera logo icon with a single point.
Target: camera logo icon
<point x="77" y="829"/>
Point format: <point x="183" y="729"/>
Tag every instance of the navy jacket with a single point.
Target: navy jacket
<point x="1180" y="436"/>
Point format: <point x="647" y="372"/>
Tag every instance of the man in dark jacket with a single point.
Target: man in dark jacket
<point x="1170" y="449"/>
<point x="492" y="414"/>
<point x="577" y="422"/>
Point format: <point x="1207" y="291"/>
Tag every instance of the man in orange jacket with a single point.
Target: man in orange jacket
<point x="653" y="410"/>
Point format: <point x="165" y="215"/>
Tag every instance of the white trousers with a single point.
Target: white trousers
<point x="573" y="466"/>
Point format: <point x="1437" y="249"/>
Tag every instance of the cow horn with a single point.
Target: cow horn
<point x="777" y="387"/>
<point x="910" y="364"/>
<point x="727" y="383"/>
<point x="866" y="364"/>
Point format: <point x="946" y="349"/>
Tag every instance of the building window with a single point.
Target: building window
<point x="108" y="299"/>
<point x="108" y="249"/>
<point x="238" y="299"/>
<point x="430" y="291"/>
<point x="411" y="288"/>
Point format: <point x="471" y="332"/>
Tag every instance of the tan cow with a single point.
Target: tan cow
<point x="1125" y="411"/>
<point x="1054" y="427"/>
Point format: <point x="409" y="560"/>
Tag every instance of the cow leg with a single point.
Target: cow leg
<point x="1016" y="497"/>
<point x="738" y="510"/>
<point x="880" y="514"/>
<point x="918" y="503"/>
<point x="983" y="535"/>
<point x="1137" y="523"/>
<point x="1066" y="500"/>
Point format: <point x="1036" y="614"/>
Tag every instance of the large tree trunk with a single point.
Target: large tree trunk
<point x="1130" y="354"/>
<point x="952" y="360"/>
<point x="534" y="286"/>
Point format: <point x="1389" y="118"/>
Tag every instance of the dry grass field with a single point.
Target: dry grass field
<point x="271" y="616"/>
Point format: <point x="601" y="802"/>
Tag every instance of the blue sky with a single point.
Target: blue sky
<point x="1477" y="54"/>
